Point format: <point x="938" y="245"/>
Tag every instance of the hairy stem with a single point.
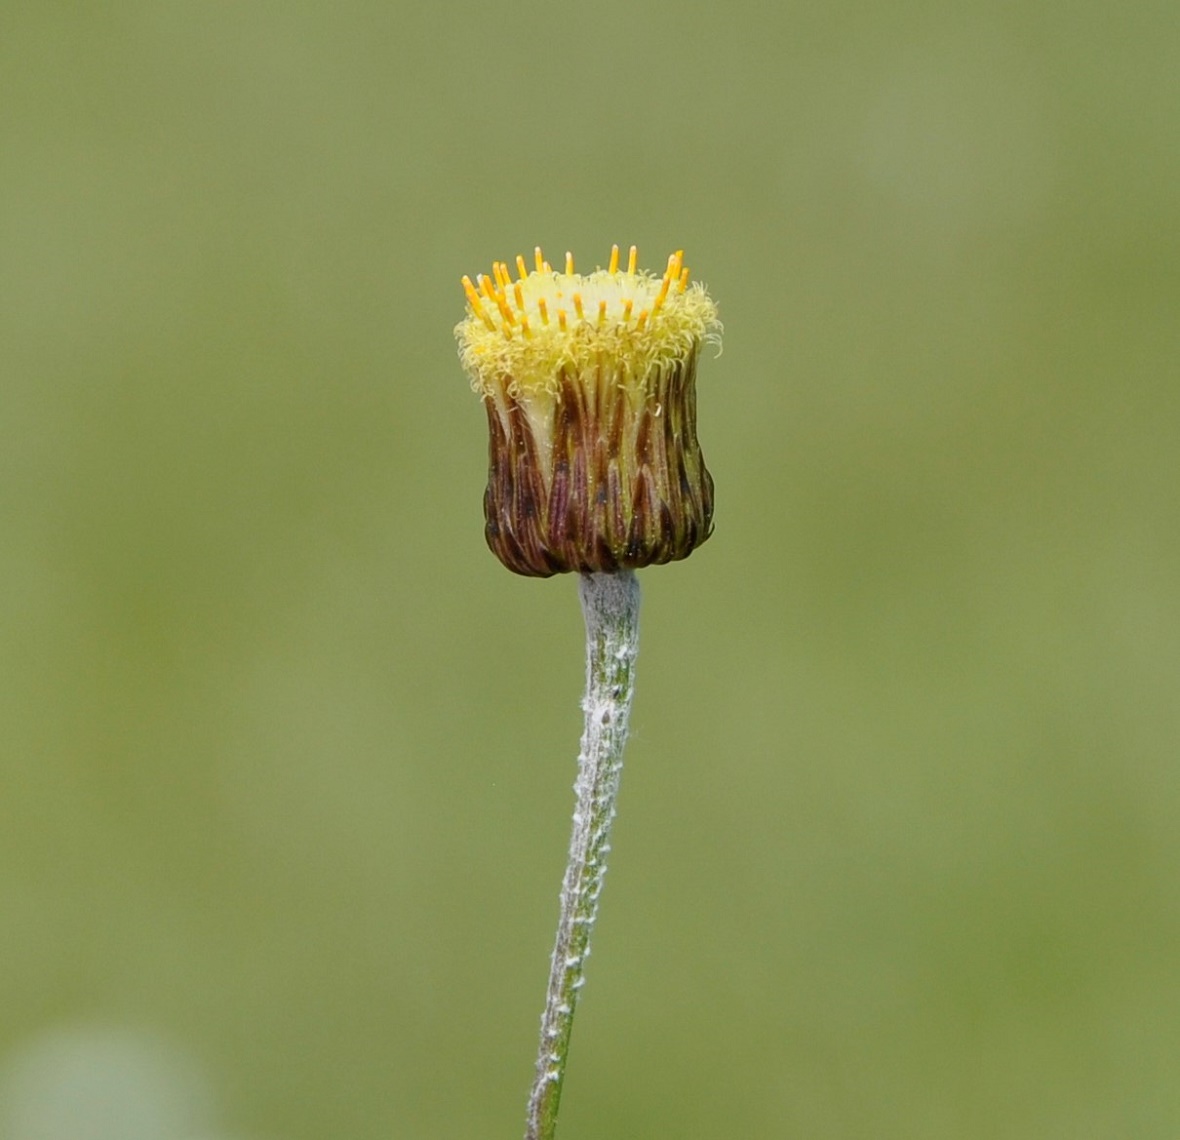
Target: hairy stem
<point x="610" y="604"/>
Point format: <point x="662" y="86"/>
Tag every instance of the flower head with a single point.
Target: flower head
<point x="590" y="388"/>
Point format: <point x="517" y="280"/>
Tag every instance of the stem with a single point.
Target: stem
<point x="610" y="604"/>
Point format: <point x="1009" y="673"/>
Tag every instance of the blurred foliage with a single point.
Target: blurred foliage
<point x="286" y="755"/>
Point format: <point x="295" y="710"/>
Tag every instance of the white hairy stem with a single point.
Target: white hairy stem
<point x="610" y="604"/>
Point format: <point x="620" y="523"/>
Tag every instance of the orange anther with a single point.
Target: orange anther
<point x="505" y="311"/>
<point x="476" y="304"/>
<point x="672" y="271"/>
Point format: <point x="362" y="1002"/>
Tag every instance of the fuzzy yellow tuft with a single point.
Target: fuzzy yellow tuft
<point x="520" y="335"/>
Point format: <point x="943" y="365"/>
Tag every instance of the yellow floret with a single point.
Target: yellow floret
<point x="519" y="336"/>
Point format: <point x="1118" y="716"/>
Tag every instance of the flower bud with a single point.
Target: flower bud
<point x="589" y="383"/>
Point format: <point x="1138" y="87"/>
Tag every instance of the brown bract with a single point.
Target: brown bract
<point x="623" y="485"/>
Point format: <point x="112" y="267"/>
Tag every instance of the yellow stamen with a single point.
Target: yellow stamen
<point x="519" y="295"/>
<point x="477" y="304"/>
<point x="540" y="261"/>
<point x="544" y="307"/>
<point x="627" y="306"/>
<point x="486" y="288"/>
<point x="524" y="325"/>
<point x="578" y="305"/>
<point x="601" y="313"/>
<point x="632" y="260"/>
<point x="521" y="269"/>
<point x="614" y="259"/>
<point x="505" y="311"/>
<point x="683" y="279"/>
<point x="642" y="320"/>
<point x="569" y="263"/>
<point x="561" y="320"/>
<point x="673" y="270"/>
<point x="547" y="268"/>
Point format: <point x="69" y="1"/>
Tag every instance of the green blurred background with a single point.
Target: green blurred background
<point x="286" y="755"/>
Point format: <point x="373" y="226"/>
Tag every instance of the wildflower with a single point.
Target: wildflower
<point x="589" y="383"/>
